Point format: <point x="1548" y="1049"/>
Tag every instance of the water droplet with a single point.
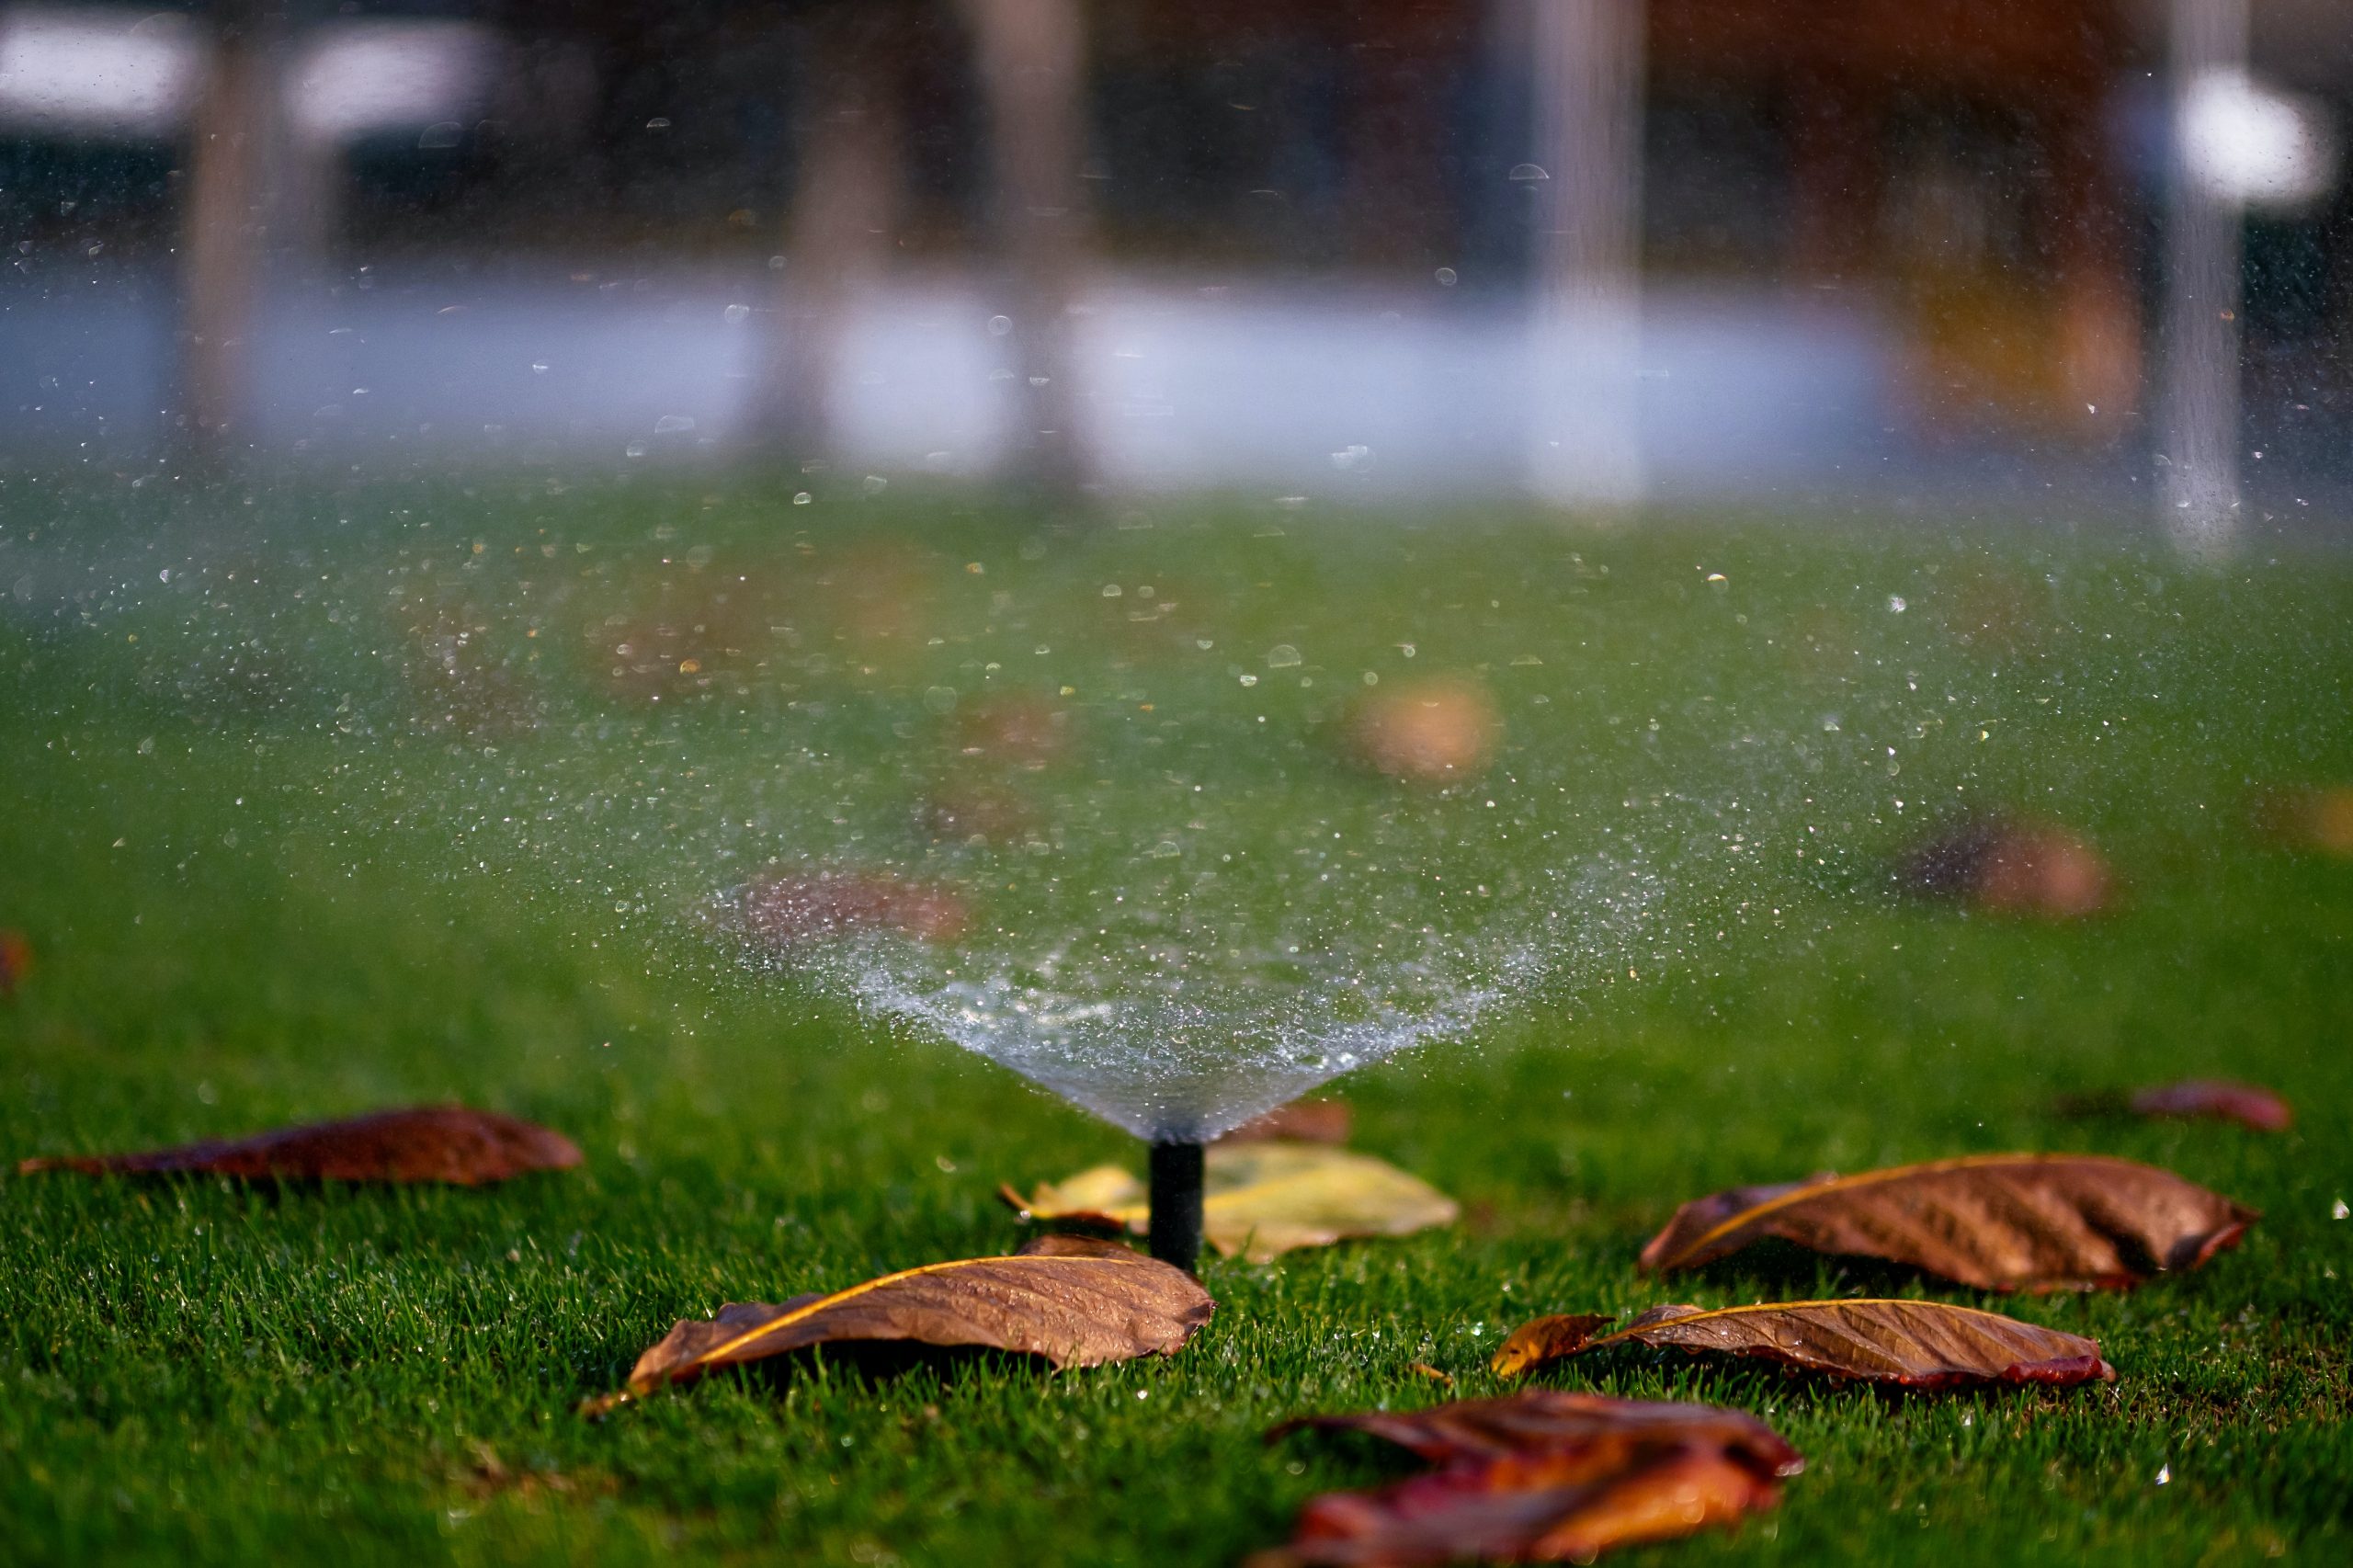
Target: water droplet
<point x="1249" y="680"/>
<point x="1446" y="277"/>
<point x="873" y="484"/>
<point x="671" y="423"/>
<point x="801" y="497"/>
<point x="1528" y="171"/>
<point x="1111" y="590"/>
<point x="736" y="313"/>
<point x="1895" y="603"/>
<point x="1000" y="326"/>
<point x="539" y="366"/>
<point x="939" y="699"/>
<point x="1282" y="656"/>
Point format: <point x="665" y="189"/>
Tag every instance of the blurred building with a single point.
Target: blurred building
<point x="1878" y="239"/>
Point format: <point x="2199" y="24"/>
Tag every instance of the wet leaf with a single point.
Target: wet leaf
<point x="1922" y="1345"/>
<point x="16" y="961"/>
<point x="1261" y="1199"/>
<point x="1998" y="1221"/>
<point x="2218" y="1100"/>
<point x="1301" y="1122"/>
<point x="1073" y="1301"/>
<point x="1542" y="1477"/>
<point x="2011" y="868"/>
<point x="430" y="1143"/>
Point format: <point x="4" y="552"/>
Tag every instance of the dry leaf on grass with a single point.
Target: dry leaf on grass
<point x="2217" y="1099"/>
<point x="1997" y="1222"/>
<point x="1262" y="1200"/>
<point x="1541" y="1477"/>
<point x="1074" y="1301"/>
<point x="1920" y="1345"/>
<point x="1301" y="1122"/>
<point x="430" y="1143"/>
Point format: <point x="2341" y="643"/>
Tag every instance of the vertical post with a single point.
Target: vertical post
<point x="1587" y="56"/>
<point x="2197" y="473"/>
<point x="1030" y="56"/>
<point x="1176" y="1203"/>
<point x="838" y="232"/>
<point x="225" y="239"/>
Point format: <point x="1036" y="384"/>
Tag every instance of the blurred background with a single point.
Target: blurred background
<point x="1598" y="253"/>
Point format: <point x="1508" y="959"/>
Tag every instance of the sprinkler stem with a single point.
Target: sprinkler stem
<point x="1176" y="1204"/>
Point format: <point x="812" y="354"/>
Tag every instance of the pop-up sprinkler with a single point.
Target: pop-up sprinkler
<point x="1176" y="1203"/>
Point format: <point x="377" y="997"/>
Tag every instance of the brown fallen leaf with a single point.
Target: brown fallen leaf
<point x="1073" y="1301"/>
<point x="1261" y="1199"/>
<point x="1545" y="1419"/>
<point x="1301" y="1122"/>
<point x="1541" y="1477"/>
<point x="1919" y="1345"/>
<point x="16" y="961"/>
<point x="2218" y="1100"/>
<point x="1997" y="1222"/>
<point x="782" y="909"/>
<point x="2008" y="867"/>
<point x="1442" y="730"/>
<point x="429" y="1143"/>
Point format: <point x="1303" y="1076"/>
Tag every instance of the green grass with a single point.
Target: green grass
<point x="285" y="855"/>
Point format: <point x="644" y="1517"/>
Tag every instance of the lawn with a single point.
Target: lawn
<point x="324" y="800"/>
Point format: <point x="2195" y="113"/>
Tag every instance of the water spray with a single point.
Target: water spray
<point x="1176" y="1203"/>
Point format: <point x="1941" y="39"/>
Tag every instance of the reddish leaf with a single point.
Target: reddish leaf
<point x="2219" y="1099"/>
<point x="783" y="909"/>
<point x="16" y="961"/>
<point x="1542" y="1477"/>
<point x="1074" y="1301"/>
<point x="1440" y="731"/>
<point x="1301" y="1121"/>
<point x="2011" y="868"/>
<point x="1545" y="1421"/>
<point x="1998" y="1221"/>
<point x="443" y="1143"/>
<point x="1922" y="1344"/>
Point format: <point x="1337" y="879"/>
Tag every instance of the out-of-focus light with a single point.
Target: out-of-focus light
<point x="367" y="78"/>
<point x="2253" y="146"/>
<point x="95" y="72"/>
